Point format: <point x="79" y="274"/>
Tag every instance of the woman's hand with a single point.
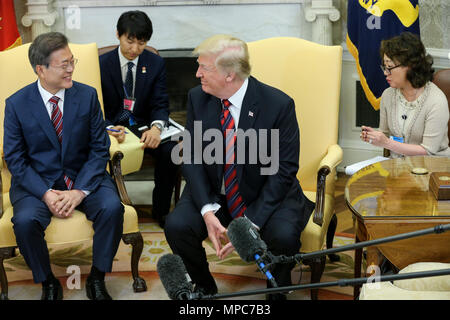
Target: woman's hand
<point x="373" y="136"/>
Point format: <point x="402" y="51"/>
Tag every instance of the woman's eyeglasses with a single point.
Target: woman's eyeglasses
<point x="388" y="69"/>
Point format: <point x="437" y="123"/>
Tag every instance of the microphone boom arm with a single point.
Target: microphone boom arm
<point x="341" y="283"/>
<point x="303" y="256"/>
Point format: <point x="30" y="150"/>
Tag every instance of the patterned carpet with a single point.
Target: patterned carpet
<point x="232" y="273"/>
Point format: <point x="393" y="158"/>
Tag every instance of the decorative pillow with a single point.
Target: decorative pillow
<point x="440" y="283"/>
<point x="387" y="291"/>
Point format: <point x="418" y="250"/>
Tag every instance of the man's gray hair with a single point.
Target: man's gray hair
<point x="232" y="54"/>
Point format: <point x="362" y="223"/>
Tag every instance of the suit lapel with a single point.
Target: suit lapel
<point x="39" y="111"/>
<point x="249" y="112"/>
<point x="116" y="72"/>
<point x="249" y="109"/>
<point x="141" y="77"/>
<point x="212" y="121"/>
<point x="71" y="105"/>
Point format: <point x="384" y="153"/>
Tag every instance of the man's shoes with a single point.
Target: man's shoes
<point x="96" y="289"/>
<point x="52" y="290"/>
<point x="202" y="290"/>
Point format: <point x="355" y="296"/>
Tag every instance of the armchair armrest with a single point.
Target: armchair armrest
<point x="132" y="154"/>
<point x="327" y="165"/>
<point x="132" y="151"/>
<point x="116" y="172"/>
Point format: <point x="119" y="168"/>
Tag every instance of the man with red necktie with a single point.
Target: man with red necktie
<point x="56" y="149"/>
<point x="228" y="100"/>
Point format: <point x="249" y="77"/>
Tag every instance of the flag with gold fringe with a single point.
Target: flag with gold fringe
<point x="368" y="23"/>
<point x="9" y="34"/>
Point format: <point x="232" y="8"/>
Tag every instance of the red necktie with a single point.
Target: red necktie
<point x="57" y="120"/>
<point x="236" y="206"/>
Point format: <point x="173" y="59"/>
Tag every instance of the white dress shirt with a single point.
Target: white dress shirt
<point x="46" y="96"/>
<point x="124" y="68"/>
<point x="235" y="109"/>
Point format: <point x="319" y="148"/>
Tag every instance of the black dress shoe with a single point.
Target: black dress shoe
<point x="96" y="289"/>
<point x="52" y="291"/>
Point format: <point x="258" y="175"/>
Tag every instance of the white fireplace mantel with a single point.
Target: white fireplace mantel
<point x="185" y="23"/>
<point x="140" y="3"/>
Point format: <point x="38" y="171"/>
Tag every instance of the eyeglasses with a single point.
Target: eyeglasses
<point x="65" y="65"/>
<point x="388" y="69"/>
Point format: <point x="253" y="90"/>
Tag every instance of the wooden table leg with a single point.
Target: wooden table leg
<point x="357" y="269"/>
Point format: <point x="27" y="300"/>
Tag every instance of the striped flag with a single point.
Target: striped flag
<point x="369" y="22"/>
<point x="9" y="34"/>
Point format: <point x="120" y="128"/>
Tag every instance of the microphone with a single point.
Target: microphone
<point x="174" y="277"/>
<point x="248" y="244"/>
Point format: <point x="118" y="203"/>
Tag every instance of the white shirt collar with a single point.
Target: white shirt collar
<point x="47" y="95"/>
<point x="124" y="61"/>
<point x="238" y="97"/>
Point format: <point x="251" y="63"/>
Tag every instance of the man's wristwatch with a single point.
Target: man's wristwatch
<point x="158" y="125"/>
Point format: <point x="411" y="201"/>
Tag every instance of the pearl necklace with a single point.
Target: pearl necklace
<point x="408" y="106"/>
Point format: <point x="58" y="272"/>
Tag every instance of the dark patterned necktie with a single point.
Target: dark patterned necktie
<point x="57" y="121"/>
<point x="129" y="80"/>
<point x="236" y="206"/>
<point x="128" y="86"/>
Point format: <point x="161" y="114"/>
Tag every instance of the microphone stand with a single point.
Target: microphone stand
<point x="341" y="283"/>
<point x="303" y="256"/>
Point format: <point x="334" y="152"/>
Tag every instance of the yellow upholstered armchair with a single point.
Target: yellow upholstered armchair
<point x="16" y="72"/>
<point x="310" y="73"/>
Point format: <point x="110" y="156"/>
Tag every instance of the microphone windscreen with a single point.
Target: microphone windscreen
<point x="174" y="276"/>
<point x="245" y="239"/>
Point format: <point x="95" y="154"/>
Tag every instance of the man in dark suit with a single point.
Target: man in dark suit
<point x="215" y="193"/>
<point x="56" y="149"/>
<point x="135" y="96"/>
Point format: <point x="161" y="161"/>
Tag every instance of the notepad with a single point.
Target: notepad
<point x="172" y="129"/>
<point x="351" y="169"/>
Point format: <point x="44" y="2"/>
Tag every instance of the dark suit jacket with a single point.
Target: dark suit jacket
<point x="33" y="153"/>
<point x="152" y="100"/>
<point x="263" y="107"/>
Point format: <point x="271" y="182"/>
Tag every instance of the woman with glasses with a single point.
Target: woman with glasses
<point x="414" y="112"/>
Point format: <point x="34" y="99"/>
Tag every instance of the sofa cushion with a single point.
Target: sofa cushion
<point x="441" y="283"/>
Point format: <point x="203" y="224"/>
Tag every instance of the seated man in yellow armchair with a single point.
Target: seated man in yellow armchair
<point x="56" y="148"/>
<point x="135" y="96"/>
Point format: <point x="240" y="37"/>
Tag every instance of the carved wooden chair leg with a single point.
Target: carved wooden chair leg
<point x="330" y="236"/>
<point x="317" y="267"/>
<point x="5" y="253"/>
<point x="136" y="241"/>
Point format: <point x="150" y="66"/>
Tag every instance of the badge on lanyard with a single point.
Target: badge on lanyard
<point x="128" y="104"/>
<point x="398" y="139"/>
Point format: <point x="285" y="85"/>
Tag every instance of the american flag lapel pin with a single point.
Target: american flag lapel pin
<point x="144" y="70"/>
<point x="250" y="114"/>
